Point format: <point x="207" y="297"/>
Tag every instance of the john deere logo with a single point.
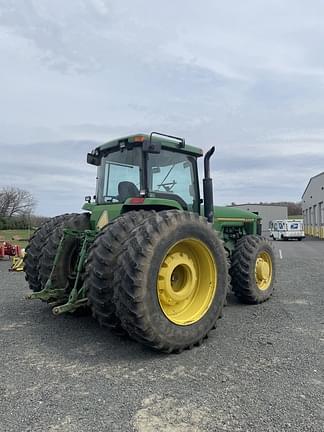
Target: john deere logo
<point x="103" y="220"/>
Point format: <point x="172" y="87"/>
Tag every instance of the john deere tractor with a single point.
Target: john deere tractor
<point x="148" y="255"/>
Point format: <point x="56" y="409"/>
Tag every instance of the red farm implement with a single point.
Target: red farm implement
<point x="14" y="252"/>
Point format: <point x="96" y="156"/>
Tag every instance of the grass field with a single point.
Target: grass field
<point x="11" y="235"/>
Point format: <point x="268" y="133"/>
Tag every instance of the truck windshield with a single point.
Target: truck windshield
<point x="119" y="176"/>
<point x="295" y="226"/>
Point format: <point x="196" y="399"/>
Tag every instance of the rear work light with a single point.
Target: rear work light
<point x="137" y="200"/>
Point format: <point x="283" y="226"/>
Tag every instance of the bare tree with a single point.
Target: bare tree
<point x="16" y="202"/>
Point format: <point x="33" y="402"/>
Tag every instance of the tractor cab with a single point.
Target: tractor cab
<point x="147" y="170"/>
<point x="131" y="173"/>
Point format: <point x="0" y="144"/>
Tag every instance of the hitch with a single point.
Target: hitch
<point x="61" y="300"/>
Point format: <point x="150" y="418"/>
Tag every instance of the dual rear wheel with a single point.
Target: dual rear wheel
<point x="161" y="277"/>
<point x="42" y="248"/>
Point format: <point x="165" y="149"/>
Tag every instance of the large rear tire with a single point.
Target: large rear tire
<point x="34" y="251"/>
<point x="101" y="266"/>
<point x="171" y="282"/>
<point x="253" y="269"/>
<point x="68" y="258"/>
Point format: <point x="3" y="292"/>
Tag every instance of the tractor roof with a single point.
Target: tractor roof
<point x="165" y="142"/>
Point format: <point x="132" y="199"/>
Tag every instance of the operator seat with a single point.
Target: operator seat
<point x="127" y="190"/>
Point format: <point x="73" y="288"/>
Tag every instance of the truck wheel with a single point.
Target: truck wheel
<point x="101" y="266"/>
<point x="171" y="282"/>
<point x="60" y="277"/>
<point x="253" y="269"/>
<point x="34" y="251"/>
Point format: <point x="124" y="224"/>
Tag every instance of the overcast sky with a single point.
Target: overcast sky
<point x="247" y="76"/>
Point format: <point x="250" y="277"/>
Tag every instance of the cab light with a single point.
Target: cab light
<point x="139" y="138"/>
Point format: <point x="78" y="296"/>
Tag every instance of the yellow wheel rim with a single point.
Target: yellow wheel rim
<point x="263" y="271"/>
<point x="186" y="283"/>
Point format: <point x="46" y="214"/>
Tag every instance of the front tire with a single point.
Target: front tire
<point x="253" y="269"/>
<point x="172" y="281"/>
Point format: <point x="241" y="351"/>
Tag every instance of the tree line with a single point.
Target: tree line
<point x="16" y="209"/>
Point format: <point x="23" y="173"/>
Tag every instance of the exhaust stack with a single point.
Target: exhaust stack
<point x="208" y="187"/>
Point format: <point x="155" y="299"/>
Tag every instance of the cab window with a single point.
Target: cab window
<point x="171" y="176"/>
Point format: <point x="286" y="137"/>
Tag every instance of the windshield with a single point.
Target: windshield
<point x="171" y="176"/>
<point x="119" y="176"/>
<point x="296" y="226"/>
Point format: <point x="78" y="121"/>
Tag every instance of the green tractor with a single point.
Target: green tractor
<point x="149" y="256"/>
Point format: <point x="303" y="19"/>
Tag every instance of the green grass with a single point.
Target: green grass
<point x="7" y="235"/>
<point x="295" y="217"/>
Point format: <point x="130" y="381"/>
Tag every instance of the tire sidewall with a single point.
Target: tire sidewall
<point x="78" y="222"/>
<point x="261" y="294"/>
<point x="186" y="334"/>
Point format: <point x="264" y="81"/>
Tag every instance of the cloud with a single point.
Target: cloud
<point x="246" y="77"/>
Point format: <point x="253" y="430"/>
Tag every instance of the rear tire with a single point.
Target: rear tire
<point x="75" y="221"/>
<point x="101" y="266"/>
<point x="253" y="269"/>
<point x="172" y="254"/>
<point x="34" y="250"/>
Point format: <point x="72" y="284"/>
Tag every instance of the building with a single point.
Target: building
<point x="313" y="208"/>
<point x="268" y="212"/>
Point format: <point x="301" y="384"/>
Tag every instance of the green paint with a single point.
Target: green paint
<point x="151" y="203"/>
<point x="230" y="212"/>
<point x="114" y="210"/>
<point x="96" y="211"/>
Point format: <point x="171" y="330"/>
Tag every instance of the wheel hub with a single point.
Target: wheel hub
<point x="263" y="271"/>
<point x="186" y="282"/>
<point x="177" y="278"/>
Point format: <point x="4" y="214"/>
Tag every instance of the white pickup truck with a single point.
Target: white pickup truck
<point x="287" y="229"/>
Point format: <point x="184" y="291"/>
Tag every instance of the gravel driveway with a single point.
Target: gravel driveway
<point x="260" y="370"/>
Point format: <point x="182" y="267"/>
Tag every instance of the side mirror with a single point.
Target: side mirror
<point x="151" y="147"/>
<point x="94" y="158"/>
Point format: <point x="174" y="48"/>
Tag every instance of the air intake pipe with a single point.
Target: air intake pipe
<point x="208" y="187"/>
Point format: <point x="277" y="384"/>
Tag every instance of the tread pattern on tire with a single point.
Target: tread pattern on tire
<point x="34" y="250"/>
<point x="130" y="277"/>
<point x="243" y="284"/>
<point x="101" y="266"/>
<point x="77" y="221"/>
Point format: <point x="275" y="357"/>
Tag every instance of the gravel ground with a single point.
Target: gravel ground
<point x="260" y="370"/>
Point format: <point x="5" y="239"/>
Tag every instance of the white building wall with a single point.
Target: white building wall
<point x="313" y="207"/>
